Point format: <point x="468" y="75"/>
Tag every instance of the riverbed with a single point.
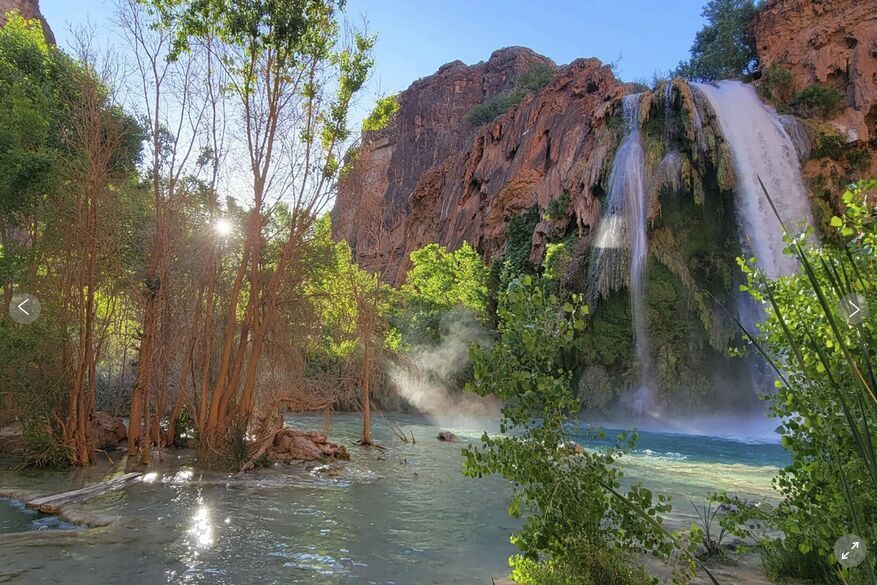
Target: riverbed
<point x="404" y="516"/>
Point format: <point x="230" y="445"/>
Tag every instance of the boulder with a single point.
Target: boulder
<point x="11" y="438"/>
<point x="291" y="445"/>
<point x="107" y="431"/>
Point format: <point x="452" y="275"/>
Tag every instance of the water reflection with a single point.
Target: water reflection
<point x="201" y="530"/>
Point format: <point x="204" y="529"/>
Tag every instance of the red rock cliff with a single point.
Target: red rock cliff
<point x="432" y="176"/>
<point x="827" y="41"/>
<point x="28" y="9"/>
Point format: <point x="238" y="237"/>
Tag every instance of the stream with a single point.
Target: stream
<point x="401" y="517"/>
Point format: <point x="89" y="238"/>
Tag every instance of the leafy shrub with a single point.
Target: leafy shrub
<point x="518" y="241"/>
<point x="783" y="562"/>
<point x="529" y="82"/>
<point x="185" y="428"/>
<point x="858" y="158"/>
<point x="384" y="110"/>
<point x="834" y="146"/>
<point x="495" y="106"/>
<point x="777" y="85"/>
<point x="577" y="525"/>
<point x="817" y="101"/>
<point x="587" y="567"/>
<point x="724" y="48"/>
<point x="556" y="263"/>
<point x="828" y="145"/>
<point x="557" y="207"/>
<point x="536" y="77"/>
<point x="825" y="402"/>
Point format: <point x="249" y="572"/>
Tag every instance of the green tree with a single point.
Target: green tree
<point x="440" y="280"/>
<point x="67" y="155"/>
<point x="291" y="78"/>
<point x="724" y="48"/>
<point x="384" y="110"/>
<point x="578" y="526"/>
<point x="31" y="127"/>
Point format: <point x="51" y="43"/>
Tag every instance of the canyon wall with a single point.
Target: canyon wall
<point x="832" y="43"/>
<point x="539" y="174"/>
<point x="433" y="176"/>
<point x="826" y="41"/>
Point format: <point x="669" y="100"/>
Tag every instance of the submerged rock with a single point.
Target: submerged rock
<point x="446" y="436"/>
<point x="291" y="445"/>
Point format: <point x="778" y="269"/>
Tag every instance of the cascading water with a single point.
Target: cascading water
<point x="624" y="226"/>
<point x="760" y="146"/>
<point x="764" y="145"/>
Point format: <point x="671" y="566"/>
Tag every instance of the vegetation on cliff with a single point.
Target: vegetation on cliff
<point x="528" y="83"/>
<point x="384" y="110"/>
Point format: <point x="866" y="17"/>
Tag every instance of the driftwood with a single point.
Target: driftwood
<point x="52" y="504"/>
<point x="264" y="445"/>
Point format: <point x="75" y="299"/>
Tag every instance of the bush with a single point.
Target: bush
<point x="724" y="48"/>
<point x="777" y="85"/>
<point x="824" y="360"/>
<point x="859" y="159"/>
<point x="536" y="77"/>
<point x="817" y="101"/>
<point x="530" y="82"/>
<point x="557" y="207"/>
<point x="577" y="525"/>
<point x="518" y="241"/>
<point x="384" y="110"/>
<point x="495" y="106"/>
<point x="589" y="567"/>
<point x="834" y="146"/>
<point x="782" y="562"/>
<point x="829" y="145"/>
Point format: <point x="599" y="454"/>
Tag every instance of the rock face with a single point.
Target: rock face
<point x="28" y="9"/>
<point x="433" y="176"/>
<point x="826" y="41"/>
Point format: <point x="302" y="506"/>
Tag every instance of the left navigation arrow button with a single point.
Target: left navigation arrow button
<point x="24" y="308"/>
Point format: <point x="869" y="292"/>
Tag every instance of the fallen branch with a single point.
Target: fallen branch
<point x="263" y="447"/>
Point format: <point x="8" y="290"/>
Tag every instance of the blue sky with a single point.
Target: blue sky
<point x="415" y="37"/>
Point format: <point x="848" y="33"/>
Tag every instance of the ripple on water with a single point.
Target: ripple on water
<point x="406" y="515"/>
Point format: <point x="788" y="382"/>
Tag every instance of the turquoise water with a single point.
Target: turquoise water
<point x="14" y="517"/>
<point x="405" y="516"/>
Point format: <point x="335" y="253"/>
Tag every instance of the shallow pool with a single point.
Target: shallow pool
<point x="405" y="516"/>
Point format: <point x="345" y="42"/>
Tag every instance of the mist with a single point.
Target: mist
<point x="431" y="379"/>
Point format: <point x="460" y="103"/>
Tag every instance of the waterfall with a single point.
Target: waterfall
<point x="624" y="226"/>
<point x="760" y="146"/>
